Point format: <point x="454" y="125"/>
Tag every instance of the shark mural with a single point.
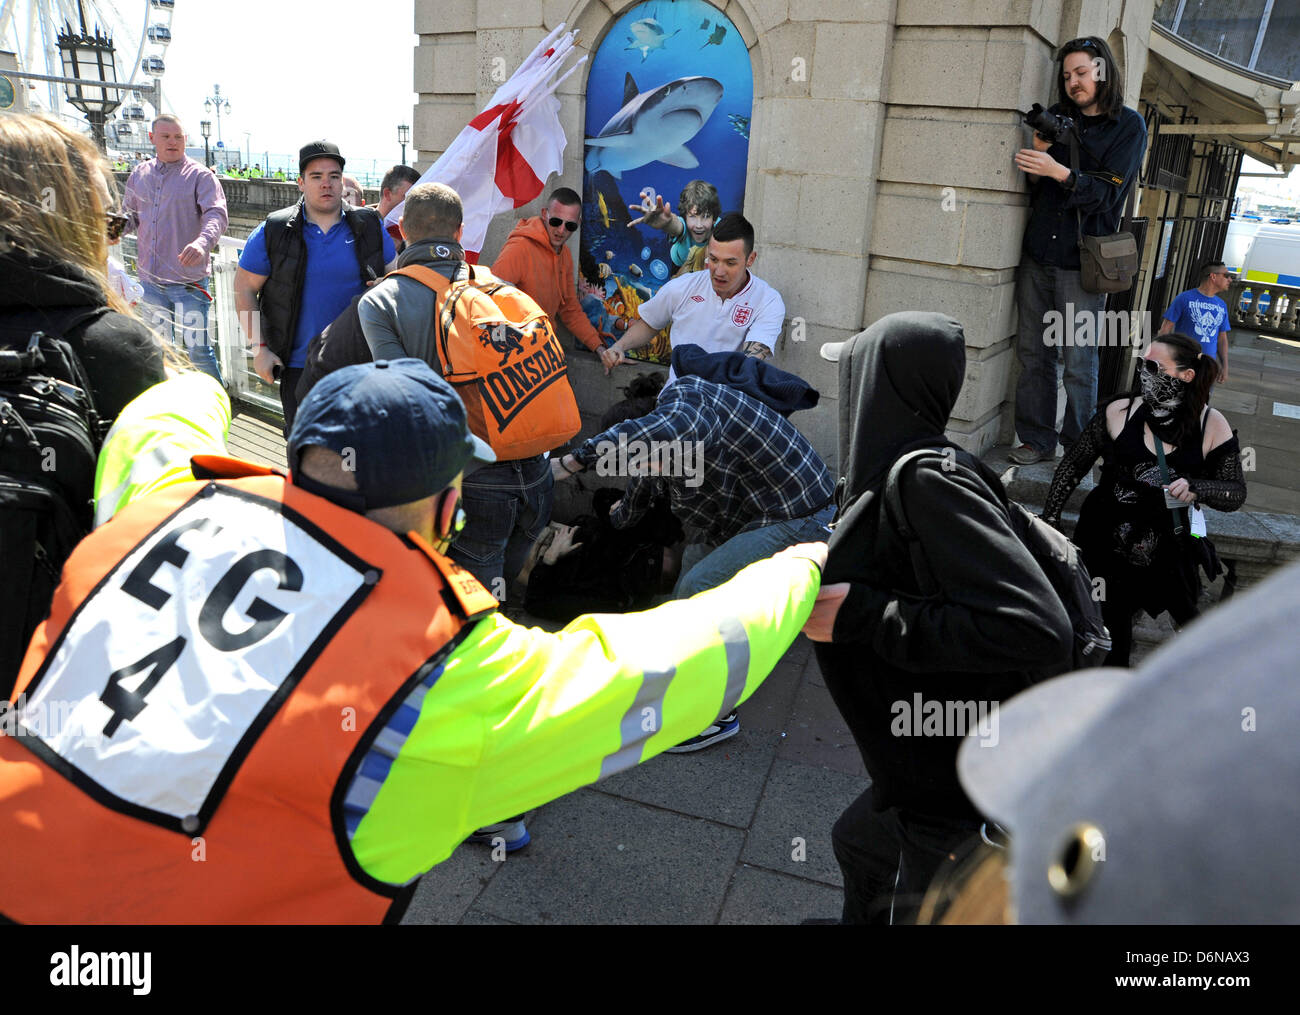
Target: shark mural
<point x="645" y="35"/>
<point x="668" y="107"/>
<point x="654" y="125"/>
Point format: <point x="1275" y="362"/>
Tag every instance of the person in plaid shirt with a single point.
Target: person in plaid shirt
<point x="735" y="468"/>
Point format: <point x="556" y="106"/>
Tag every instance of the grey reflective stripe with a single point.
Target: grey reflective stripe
<point x="654" y="685"/>
<point x="736" y="641"/>
<point x="145" y="468"/>
<point x="632" y="733"/>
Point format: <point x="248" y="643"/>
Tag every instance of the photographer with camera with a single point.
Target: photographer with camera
<point x="1067" y="204"/>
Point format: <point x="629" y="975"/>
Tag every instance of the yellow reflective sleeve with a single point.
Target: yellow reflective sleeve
<point x="521" y="716"/>
<point x="150" y="444"/>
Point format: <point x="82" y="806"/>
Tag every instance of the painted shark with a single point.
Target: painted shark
<point x="654" y="125"/>
<point x="647" y="34"/>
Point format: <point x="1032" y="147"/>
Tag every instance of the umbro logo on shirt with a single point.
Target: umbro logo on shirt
<point x="698" y="298"/>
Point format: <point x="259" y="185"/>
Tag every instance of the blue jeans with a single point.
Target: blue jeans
<point x="741" y="550"/>
<point x="507" y="508"/>
<point x="1039" y="290"/>
<point x="181" y="312"/>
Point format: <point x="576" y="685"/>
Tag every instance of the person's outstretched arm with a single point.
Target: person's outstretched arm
<point x="520" y="716"/>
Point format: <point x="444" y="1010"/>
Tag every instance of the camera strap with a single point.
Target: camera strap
<point x="1107" y="264"/>
<point x="1106" y="176"/>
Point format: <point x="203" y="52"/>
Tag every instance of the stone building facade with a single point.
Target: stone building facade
<point x="880" y="172"/>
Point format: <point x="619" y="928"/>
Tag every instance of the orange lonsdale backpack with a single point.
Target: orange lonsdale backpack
<point x="498" y="350"/>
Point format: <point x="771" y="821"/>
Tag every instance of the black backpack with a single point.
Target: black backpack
<point x="50" y="435"/>
<point x="340" y="344"/>
<point x="1054" y="553"/>
<point x="612" y="571"/>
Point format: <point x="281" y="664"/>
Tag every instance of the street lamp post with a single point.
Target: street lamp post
<point x="215" y="101"/>
<point x="205" y="128"/>
<point x="403" y="135"/>
<point x="89" y="60"/>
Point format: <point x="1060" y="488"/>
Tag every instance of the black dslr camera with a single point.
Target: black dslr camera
<point x="1049" y="126"/>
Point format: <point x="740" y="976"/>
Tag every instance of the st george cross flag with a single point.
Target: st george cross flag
<point x="502" y="158"/>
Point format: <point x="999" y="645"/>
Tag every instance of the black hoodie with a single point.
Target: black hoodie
<point x="121" y="355"/>
<point x="995" y="613"/>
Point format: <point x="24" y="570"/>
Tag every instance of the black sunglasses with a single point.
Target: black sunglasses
<point x="1151" y="366"/>
<point x="557" y="222"/>
<point x="1080" y="44"/>
<point x="116" y="224"/>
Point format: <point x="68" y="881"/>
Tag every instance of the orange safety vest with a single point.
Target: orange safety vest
<point x="217" y="662"/>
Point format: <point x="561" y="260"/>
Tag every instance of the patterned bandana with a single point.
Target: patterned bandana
<point x="1162" y="393"/>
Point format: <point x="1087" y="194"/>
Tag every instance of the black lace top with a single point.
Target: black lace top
<point x="1216" y="478"/>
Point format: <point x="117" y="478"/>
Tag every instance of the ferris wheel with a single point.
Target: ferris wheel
<point x="140" y="31"/>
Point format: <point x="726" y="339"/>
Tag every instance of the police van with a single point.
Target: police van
<point x="1273" y="258"/>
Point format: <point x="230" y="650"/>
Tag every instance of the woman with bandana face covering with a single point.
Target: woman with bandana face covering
<point x="889" y="650"/>
<point x="1129" y="536"/>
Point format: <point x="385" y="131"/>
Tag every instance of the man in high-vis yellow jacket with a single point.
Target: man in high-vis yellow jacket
<point x="291" y="673"/>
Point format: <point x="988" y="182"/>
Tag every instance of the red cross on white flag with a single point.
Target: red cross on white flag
<point x="503" y="157"/>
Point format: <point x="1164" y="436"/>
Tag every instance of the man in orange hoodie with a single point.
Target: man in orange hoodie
<point x="534" y="258"/>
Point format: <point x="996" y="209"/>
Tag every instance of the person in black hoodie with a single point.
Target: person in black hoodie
<point x="55" y="215"/>
<point x="889" y="654"/>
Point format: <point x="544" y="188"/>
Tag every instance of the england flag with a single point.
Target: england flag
<point x="503" y="157"/>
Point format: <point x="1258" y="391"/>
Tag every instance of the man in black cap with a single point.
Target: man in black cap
<point x="294" y="672"/>
<point x="301" y="268"/>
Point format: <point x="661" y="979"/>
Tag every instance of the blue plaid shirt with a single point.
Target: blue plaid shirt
<point x="754" y="466"/>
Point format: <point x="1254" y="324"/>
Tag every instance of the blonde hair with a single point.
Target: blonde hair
<point x="49" y="204"/>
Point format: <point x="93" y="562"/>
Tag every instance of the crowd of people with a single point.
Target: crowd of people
<point x="210" y="630"/>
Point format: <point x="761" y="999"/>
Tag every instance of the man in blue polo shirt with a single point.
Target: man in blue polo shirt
<point x="302" y="267"/>
<point x="1200" y="313"/>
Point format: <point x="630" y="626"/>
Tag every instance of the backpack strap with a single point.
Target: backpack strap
<point x="898" y="518"/>
<point x="444" y="309"/>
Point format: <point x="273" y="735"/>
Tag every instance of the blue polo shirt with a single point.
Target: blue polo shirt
<point x="1200" y="316"/>
<point x="332" y="277"/>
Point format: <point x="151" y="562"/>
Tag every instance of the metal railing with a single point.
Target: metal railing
<point x="1265" y="306"/>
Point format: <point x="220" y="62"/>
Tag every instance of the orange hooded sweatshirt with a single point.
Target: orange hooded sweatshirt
<point x="528" y="261"/>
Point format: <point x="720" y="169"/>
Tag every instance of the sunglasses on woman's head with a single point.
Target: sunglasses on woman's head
<point x="116" y="224"/>
<point x="557" y="222"/>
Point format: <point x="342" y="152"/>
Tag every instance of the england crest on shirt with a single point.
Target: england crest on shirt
<point x="741" y="315"/>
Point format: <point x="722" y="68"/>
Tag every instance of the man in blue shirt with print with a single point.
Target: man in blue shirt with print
<point x="1200" y="313"/>
<point x="302" y="267"/>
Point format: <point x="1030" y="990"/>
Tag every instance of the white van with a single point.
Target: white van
<point x="1273" y="257"/>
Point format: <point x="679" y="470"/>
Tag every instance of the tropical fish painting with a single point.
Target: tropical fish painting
<point x="668" y="103"/>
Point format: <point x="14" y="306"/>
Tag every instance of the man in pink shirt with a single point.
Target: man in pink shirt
<point x="178" y="211"/>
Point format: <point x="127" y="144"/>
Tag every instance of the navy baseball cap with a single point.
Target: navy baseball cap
<point x="400" y="428"/>
<point x="319" y="150"/>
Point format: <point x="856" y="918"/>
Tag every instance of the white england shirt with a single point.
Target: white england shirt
<point x="755" y="314"/>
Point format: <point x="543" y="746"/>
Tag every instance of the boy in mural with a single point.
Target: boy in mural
<point x="700" y="208"/>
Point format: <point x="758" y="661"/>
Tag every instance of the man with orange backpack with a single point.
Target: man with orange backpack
<point x="497" y="348"/>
